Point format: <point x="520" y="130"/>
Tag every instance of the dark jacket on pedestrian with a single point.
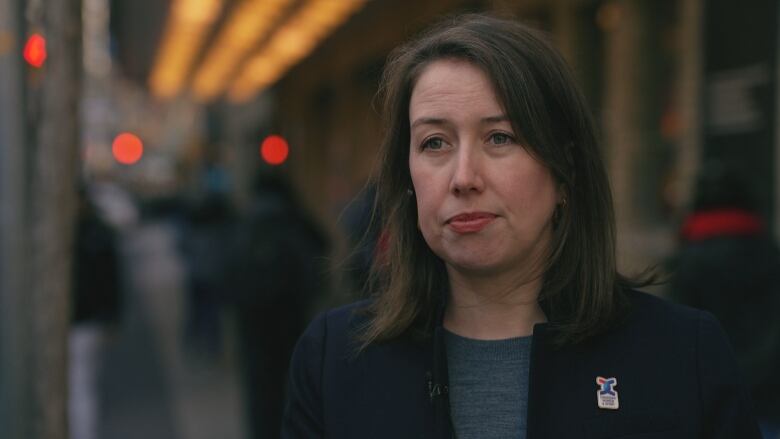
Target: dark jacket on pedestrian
<point x="96" y="275"/>
<point x="676" y="377"/>
<point x="729" y="265"/>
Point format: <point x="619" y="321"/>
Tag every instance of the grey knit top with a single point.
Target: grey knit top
<point x="488" y="386"/>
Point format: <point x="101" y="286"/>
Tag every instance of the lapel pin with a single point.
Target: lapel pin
<point x="607" y="396"/>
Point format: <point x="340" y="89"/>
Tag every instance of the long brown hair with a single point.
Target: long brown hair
<point x="581" y="292"/>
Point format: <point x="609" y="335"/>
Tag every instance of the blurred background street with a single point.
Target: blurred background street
<point x="150" y="387"/>
<point x="183" y="185"/>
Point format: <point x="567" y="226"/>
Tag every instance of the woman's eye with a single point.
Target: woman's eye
<point x="500" y="139"/>
<point x="433" y="143"/>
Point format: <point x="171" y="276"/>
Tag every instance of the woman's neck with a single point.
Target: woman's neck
<point x="484" y="309"/>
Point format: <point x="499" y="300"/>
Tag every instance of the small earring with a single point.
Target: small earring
<point x="409" y="192"/>
<point x="558" y="212"/>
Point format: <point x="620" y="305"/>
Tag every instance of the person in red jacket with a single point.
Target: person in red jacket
<point x="498" y="309"/>
<point x="729" y="265"/>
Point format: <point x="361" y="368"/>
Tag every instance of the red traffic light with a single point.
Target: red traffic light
<point x="274" y="150"/>
<point x="35" y="50"/>
<point x="127" y="148"/>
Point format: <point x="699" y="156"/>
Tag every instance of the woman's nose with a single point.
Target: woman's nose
<point x="467" y="175"/>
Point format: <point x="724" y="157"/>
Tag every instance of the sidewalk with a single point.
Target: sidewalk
<point x="150" y="389"/>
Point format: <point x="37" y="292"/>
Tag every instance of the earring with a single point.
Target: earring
<point x="409" y="192"/>
<point x="558" y="212"/>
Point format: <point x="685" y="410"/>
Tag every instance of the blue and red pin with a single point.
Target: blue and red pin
<point x="607" y="396"/>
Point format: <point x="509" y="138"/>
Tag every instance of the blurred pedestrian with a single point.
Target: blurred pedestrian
<point x="729" y="265"/>
<point x="207" y="247"/>
<point x="95" y="314"/>
<point x="501" y="312"/>
<point x="279" y="273"/>
<point x="365" y="239"/>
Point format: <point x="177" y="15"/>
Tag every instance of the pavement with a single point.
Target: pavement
<point x="151" y="387"/>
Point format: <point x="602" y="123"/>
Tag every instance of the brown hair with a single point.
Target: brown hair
<point x="581" y="292"/>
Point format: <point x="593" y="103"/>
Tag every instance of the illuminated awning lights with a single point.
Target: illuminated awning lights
<point x="247" y="25"/>
<point x="295" y="39"/>
<point x="187" y="27"/>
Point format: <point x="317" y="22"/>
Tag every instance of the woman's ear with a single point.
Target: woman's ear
<point x="562" y="196"/>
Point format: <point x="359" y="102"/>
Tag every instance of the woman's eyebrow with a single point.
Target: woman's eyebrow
<point x="430" y="121"/>
<point x="441" y="121"/>
<point x="495" y="119"/>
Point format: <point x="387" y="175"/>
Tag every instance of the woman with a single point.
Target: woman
<point x="500" y="312"/>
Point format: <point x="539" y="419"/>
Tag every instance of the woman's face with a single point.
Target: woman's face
<point x="484" y="203"/>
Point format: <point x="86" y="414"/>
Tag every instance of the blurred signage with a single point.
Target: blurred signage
<point x="740" y="91"/>
<point x="734" y="97"/>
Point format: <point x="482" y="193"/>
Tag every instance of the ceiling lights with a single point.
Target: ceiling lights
<point x="295" y="39"/>
<point x="284" y="37"/>
<point x="248" y="24"/>
<point x="187" y="27"/>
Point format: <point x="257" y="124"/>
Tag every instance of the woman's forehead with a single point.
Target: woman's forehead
<point x="453" y="86"/>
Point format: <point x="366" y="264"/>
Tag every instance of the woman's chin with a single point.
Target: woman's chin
<point x="474" y="266"/>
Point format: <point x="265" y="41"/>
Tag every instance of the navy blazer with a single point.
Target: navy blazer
<point x="675" y="371"/>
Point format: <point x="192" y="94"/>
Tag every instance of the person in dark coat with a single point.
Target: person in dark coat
<point x="206" y="249"/>
<point x="728" y="265"/>
<point x="95" y="314"/>
<point x="500" y="311"/>
<point x="279" y="274"/>
<point x="96" y="281"/>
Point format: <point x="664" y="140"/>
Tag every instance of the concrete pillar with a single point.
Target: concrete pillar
<point x="631" y="133"/>
<point x="37" y="201"/>
<point x="689" y="93"/>
<point x="623" y="28"/>
<point x="52" y="205"/>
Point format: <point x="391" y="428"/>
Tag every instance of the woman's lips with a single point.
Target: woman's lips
<point x="470" y="222"/>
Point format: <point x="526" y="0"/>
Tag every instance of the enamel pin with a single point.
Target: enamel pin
<point x="607" y="396"/>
